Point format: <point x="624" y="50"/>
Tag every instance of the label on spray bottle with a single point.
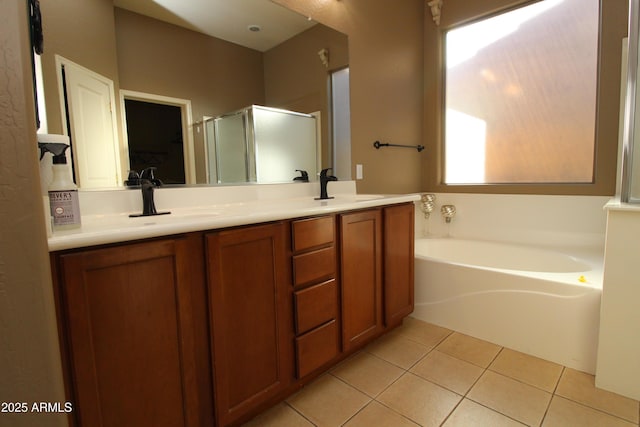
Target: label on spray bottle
<point x="65" y="207"/>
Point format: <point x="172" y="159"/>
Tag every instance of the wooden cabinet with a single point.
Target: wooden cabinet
<point x="134" y="317"/>
<point x="315" y="295"/>
<point x="398" y="255"/>
<point x="188" y="330"/>
<point x="376" y="259"/>
<point x="251" y="318"/>
<point x="361" y="277"/>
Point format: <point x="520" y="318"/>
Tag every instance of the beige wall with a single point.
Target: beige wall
<point x="62" y="30"/>
<point x="30" y="368"/>
<point x="295" y="78"/>
<point x="81" y="31"/>
<point x="613" y="29"/>
<point x="386" y="75"/>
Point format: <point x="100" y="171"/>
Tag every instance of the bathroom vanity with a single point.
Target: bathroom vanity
<point x="212" y="325"/>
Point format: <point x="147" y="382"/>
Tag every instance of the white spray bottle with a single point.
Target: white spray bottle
<point x="63" y="192"/>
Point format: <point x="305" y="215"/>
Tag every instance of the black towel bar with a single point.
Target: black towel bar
<point x="379" y="144"/>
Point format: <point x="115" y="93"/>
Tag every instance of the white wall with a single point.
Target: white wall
<point x="618" y="367"/>
<point x="534" y="219"/>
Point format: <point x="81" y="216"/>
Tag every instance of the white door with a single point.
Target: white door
<point x="91" y="117"/>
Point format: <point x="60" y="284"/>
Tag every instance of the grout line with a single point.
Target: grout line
<point x="420" y="359"/>
<point x="494" y="410"/>
<point x="451" y="331"/>
<point x="352" y="386"/>
<point x="555" y="389"/>
<point x="522" y="382"/>
<point x="602" y="411"/>
<point x="465" y="396"/>
<point x="348" y="384"/>
<point x="553" y="394"/>
<point x="300" y="413"/>
<point x="452" y="411"/>
<point x="475" y="382"/>
<point x="389" y="362"/>
<point x="513" y="379"/>
<point x="396" y="412"/>
<point x="586" y="405"/>
<point x="357" y="412"/>
<point x="495" y="357"/>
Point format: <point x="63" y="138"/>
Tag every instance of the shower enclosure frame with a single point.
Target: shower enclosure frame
<point x="630" y="193"/>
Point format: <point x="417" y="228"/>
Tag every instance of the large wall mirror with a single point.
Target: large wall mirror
<point x="156" y="74"/>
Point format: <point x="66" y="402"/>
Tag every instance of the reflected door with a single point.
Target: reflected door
<point x="91" y="121"/>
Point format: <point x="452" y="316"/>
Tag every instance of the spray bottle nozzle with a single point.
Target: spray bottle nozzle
<point x="56" y="148"/>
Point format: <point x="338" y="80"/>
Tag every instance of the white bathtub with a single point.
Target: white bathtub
<point x="540" y="301"/>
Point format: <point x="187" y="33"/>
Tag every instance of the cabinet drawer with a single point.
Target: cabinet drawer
<point x="316" y="305"/>
<point x="314" y="266"/>
<point x="316" y="348"/>
<point x="313" y="232"/>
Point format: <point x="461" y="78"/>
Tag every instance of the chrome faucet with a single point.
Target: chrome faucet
<point x="448" y="212"/>
<point x="324" y="180"/>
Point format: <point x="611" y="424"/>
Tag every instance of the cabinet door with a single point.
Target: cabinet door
<point x="398" y="262"/>
<point x="136" y="324"/>
<point x="251" y="318"/>
<point x="361" y="267"/>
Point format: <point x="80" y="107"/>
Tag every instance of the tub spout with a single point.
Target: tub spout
<point x="448" y="212"/>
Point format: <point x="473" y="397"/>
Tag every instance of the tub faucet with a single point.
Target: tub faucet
<point x="427" y="204"/>
<point x="448" y="212"/>
<point x="324" y="180"/>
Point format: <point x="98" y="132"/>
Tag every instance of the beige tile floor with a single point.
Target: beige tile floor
<point x="425" y="375"/>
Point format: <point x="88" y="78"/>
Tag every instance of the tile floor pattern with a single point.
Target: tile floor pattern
<point x="425" y="375"/>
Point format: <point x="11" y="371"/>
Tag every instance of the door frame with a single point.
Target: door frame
<point x="186" y="118"/>
<point x="62" y="62"/>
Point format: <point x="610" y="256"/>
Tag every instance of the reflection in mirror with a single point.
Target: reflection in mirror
<point x="148" y="49"/>
<point x="260" y="144"/>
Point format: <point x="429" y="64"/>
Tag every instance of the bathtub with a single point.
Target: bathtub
<point x="540" y="301"/>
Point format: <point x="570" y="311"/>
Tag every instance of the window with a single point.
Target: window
<point x="520" y="96"/>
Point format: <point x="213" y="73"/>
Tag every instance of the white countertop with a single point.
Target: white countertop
<point x="204" y="210"/>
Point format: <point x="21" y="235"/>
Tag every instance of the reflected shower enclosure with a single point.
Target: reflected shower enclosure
<point x="261" y="145"/>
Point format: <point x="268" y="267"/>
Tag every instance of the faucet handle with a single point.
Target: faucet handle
<point x="133" y="179"/>
<point x="148" y="173"/>
<point x="304" y="176"/>
<point x="324" y="172"/>
<point x="448" y="212"/>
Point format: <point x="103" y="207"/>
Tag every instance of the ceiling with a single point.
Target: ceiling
<point x="226" y="19"/>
